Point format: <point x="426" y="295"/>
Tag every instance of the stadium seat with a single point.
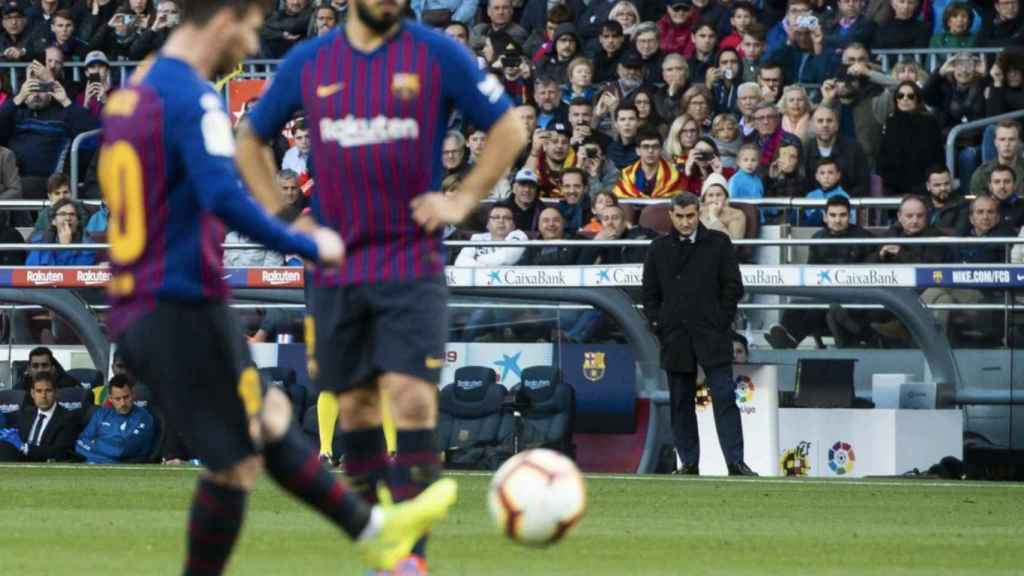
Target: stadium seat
<point x="548" y="420"/>
<point x="87" y="376"/>
<point x="472" y="430"/>
<point x="11" y="401"/>
<point x="656" y="218"/>
<point x="75" y="400"/>
<point x="286" y="379"/>
<point x="311" y="428"/>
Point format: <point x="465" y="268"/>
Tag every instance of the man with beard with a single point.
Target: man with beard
<point x="167" y="173"/>
<point x="949" y="211"/>
<point x="387" y="102"/>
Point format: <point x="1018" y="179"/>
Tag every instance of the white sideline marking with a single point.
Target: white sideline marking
<point x="866" y="482"/>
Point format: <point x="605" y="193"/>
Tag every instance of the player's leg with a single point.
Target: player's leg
<point x="215" y="518"/>
<point x="327" y="422"/>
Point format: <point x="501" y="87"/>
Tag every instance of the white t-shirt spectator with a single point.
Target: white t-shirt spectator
<point x="486" y="256"/>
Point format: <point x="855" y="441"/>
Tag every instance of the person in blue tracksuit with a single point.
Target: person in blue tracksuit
<point x="119" y="432"/>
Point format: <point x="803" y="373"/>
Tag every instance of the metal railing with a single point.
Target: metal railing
<point x="929" y="58"/>
<point x="974" y="126"/>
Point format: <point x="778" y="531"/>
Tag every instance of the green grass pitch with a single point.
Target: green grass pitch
<point x="130" y="521"/>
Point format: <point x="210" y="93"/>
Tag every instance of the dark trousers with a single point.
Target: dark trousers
<point x="682" y="388"/>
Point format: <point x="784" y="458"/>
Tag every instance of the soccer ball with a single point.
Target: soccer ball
<point x="536" y="497"/>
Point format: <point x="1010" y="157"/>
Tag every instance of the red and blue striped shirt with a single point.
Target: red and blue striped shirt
<point x="377" y="121"/>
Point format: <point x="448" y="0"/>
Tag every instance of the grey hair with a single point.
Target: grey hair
<point x="686" y="199"/>
<point x="457" y="136"/>
<point x="287" y="174"/>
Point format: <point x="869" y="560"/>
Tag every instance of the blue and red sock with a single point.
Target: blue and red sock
<point x="214" y="524"/>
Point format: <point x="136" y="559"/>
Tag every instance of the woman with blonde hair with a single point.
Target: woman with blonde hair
<point x="682" y="136"/>
<point x="626" y="14"/>
<point x="696" y="103"/>
<point x="795" y="107"/>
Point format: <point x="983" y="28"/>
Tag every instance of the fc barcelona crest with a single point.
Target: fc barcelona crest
<point x="405" y="86"/>
<point x="593" y="365"/>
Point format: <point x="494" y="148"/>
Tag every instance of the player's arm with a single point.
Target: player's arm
<point x="254" y="158"/>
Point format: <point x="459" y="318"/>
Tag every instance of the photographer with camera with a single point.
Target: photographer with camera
<point x="507" y="63"/>
<point x="168" y="16"/>
<point x="852" y="95"/>
<point x="601" y="174"/>
<point x="805" y="58"/>
<point x="37" y="124"/>
<point x="702" y="162"/>
<point x="723" y="80"/>
<point x="97" y="83"/>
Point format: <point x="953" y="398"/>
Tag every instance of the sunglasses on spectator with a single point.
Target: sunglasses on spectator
<point x="906" y="96"/>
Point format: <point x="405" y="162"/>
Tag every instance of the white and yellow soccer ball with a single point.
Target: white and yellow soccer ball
<point x="536" y="497"/>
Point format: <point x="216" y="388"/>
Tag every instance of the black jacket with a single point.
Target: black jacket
<point x="853" y="163"/>
<point x="58" y="439"/>
<point x="911" y="143"/>
<point x="690" y="294"/>
<point x="910" y="253"/>
<point x="953" y="216"/>
<point x="619" y="254"/>
<point x="550" y="256"/>
<point x="840" y="254"/>
<point x="901" y="34"/>
<point x="983" y="253"/>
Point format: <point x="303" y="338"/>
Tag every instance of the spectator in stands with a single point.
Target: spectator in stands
<point x="1003" y="186"/>
<point x="549" y="156"/>
<point x="1008" y="153"/>
<point x="1003" y="28"/>
<point x="97" y="84"/>
<point x="552" y="226"/>
<point x="769" y="135"/>
<point x="549" y="101"/>
<point x="749" y="96"/>
<point x="575" y="203"/>
<point x="40" y="14"/>
<point x="949" y="211"/>
<point x="441" y="12"/>
<point x="525" y="204"/>
<point x="645" y="42"/>
<point x="957" y="21"/>
<point x="62" y="28"/>
<point x="602" y="200"/>
<point x="288" y="182"/>
<point x="828" y="176"/>
<point x="715" y="212"/>
<point x="956" y="94"/>
<point x="579" y="85"/>
<point x="581" y="119"/>
<point x="854" y="97"/>
<point x="630" y="79"/>
<point x="152" y="38"/>
<point x="829" y="143"/>
<point x="752" y="49"/>
<point x="682" y="137"/>
<point x="902" y="71"/>
<point x="121" y="432"/>
<point x="675" y="28"/>
<point x="453" y="153"/>
<point x="65" y="228"/>
<point x="601" y="174"/>
<point x="795" y="107"/>
<point x="781" y="32"/>
<point x="742" y="15"/>
<point x="702" y="57"/>
<point x="475" y="141"/>
<point x="612" y="47"/>
<point x="799" y="324"/>
<point x="109" y="29"/>
<point x="697" y="102"/>
<point x="540" y="43"/>
<point x="1006" y="93"/>
<point x="724" y="78"/>
<point x="905" y="30"/>
<point x="41" y="360"/>
<point x="555" y="65"/>
<point x="647" y="116"/>
<point x="285" y="28"/>
<point x="625" y="13"/>
<point x="15" y="40"/>
<point x="675" y="79"/>
<point x="57" y="189"/>
<point x="325" y="20"/>
<point x="651" y="176"/>
<point x="37" y="126"/>
<point x="771" y="81"/>
<point x="786" y="175"/>
<point x="725" y="132"/>
<point x="804" y="59"/>
<point x="296" y="158"/>
<point x="44" y="432"/>
<point x="911" y="142"/>
<point x="499" y="19"/>
<point x="54" y="66"/>
<point x="703" y="161"/>
<point x="10" y="179"/>
<point x="746" y="182"/>
<point x="848" y="24"/>
<point x="622" y="150"/>
<point x="615" y="226"/>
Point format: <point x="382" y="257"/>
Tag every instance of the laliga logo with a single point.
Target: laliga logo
<point x="841" y="458"/>
<point x="44" y="278"/>
<point x="745" y="394"/>
<point x="795" y="461"/>
<point x="280" y="277"/>
<point x="92" y="277"/>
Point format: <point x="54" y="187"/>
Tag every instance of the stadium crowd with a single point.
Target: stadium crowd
<point x="729" y="99"/>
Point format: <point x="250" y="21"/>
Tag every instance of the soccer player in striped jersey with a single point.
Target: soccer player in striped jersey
<point x="168" y="176"/>
<point x="377" y="94"/>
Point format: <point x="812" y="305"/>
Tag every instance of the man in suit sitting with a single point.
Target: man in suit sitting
<point x="45" y="431"/>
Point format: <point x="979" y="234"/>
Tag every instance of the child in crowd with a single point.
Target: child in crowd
<point x="956" y="27"/>
<point x="725" y="131"/>
<point x="746" y="183"/>
<point x="827" y="174"/>
<point x="581" y="74"/>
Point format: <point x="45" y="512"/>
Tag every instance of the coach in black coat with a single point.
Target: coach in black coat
<point x="691" y="287"/>
<point x="59" y="434"/>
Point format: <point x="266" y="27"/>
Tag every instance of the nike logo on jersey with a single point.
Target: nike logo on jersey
<point x="329" y="90"/>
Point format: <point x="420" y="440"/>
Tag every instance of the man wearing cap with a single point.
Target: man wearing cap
<point x="515" y="69"/>
<point x="691" y="288"/>
<point x="525" y="203"/>
<point x="631" y="75"/>
<point x="565" y="47"/>
<point x="676" y="26"/>
<point x="609" y="52"/>
<point x="551" y="154"/>
<point x="651" y="176"/>
<point x="499" y="14"/>
<point x="97" y="83"/>
<point x="14" y="42"/>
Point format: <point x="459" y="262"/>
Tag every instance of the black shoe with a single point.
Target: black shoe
<point x="741" y="469"/>
<point x="780" y="339"/>
<point x="688" y="470"/>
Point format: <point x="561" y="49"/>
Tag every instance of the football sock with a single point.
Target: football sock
<point x="293" y="464"/>
<point x="327" y="420"/>
<point x="366" y="461"/>
<point x="214" y="524"/>
<point x="416" y="466"/>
